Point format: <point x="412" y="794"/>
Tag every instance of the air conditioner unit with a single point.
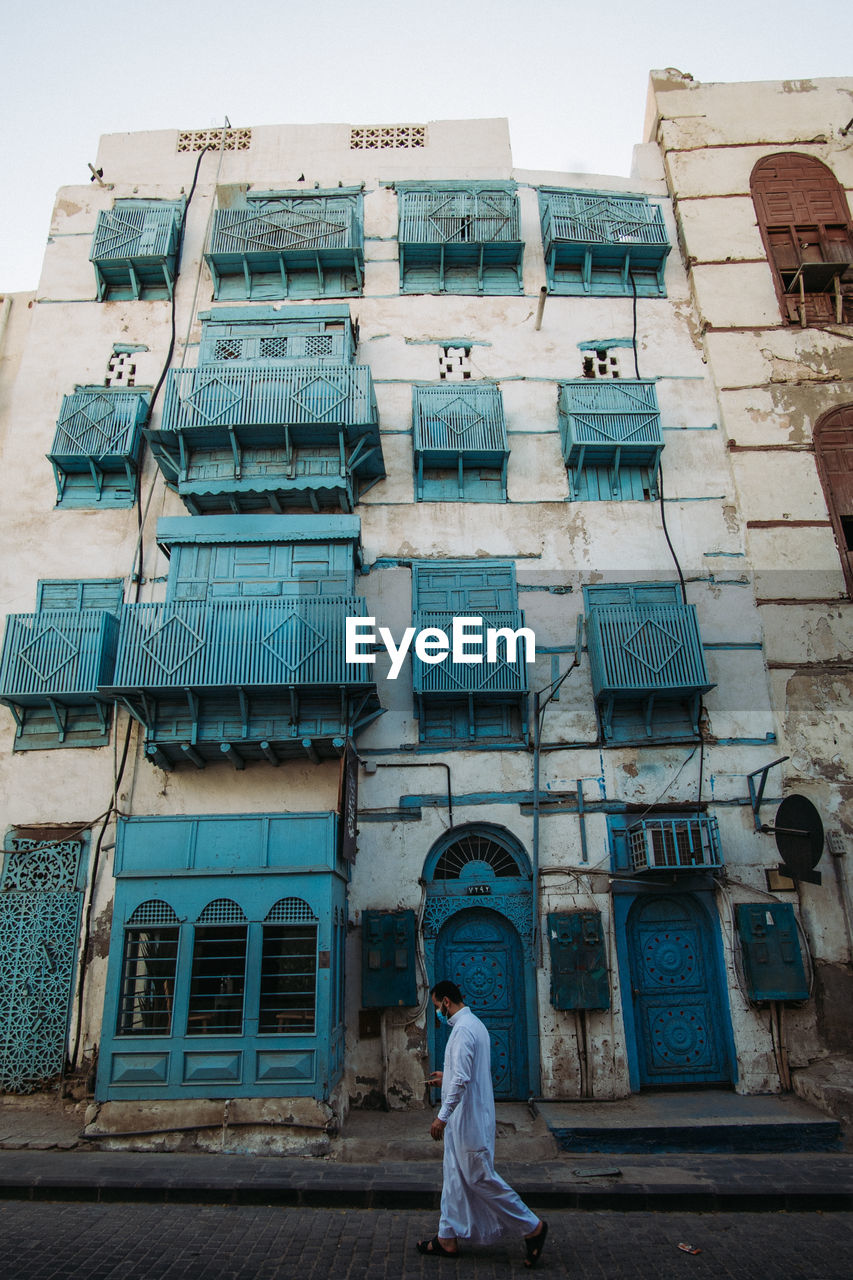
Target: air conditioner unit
<point x="675" y="844"/>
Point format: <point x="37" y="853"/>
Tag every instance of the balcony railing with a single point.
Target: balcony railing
<point x="640" y="649"/>
<point x="640" y="652"/>
<point x="675" y="844"/>
<point x="238" y="643"/>
<point x="283" y="239"/>
<point x="500" y="678"/>
<point x="134" y="248"/>
<point x="453" y="241"/>
<point x="98" y="432"/>
<point x="596" y="242"/>
<point x="216" y="397"/>
<point x="609" y="423"/>
<point x="454" y="420"/>
<point x="59" y="655"/>
<point x="458" y="217"/>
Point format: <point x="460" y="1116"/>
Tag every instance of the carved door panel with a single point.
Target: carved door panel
<point x="480" y="951"/>
<point x="678" y="1005"/>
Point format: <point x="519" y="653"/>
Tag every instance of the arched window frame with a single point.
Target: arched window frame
<point x="809" y="251"/>
<point x="840" y="509"/>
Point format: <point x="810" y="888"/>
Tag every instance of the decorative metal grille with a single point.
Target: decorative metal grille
<point x="386" y="137"/>
<point x="154" y="911"/>
<point x="222" y="911"/>
<point x="291" y="911"/>
<point x="32" y="865"/>
<point x="198" y="139"/>
<point x="475" y="848"/>
<point x="39" y="917"/>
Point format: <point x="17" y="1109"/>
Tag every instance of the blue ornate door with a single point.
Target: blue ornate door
<point x="679" y="1008"/>
<point x="39" y="922"/>
<point x="480" y="951"/>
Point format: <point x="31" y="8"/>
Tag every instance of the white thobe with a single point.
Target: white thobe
<point x="476" y="1203"/>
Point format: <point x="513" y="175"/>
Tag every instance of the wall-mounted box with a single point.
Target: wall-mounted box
<point x="772" y="959"/>
<point x="579" y="978"/>
<point x="388" y="975"/>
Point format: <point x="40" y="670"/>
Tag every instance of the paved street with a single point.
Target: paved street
<point x="66" y="1241"/>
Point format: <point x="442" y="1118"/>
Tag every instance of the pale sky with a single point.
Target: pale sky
<point x="571" y="77"/>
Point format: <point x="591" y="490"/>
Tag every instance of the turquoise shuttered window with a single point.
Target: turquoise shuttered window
<point x="245" y="658"/>
<point x="96" y="447"/>
<point x="275" y="417"/>
<point x="135" y="247"/>
<point x="225" y="975"/>
<point x="469" y="702"/>
<point x="289" y="245"/>
<point x="602" y="243"/>
<point x="456" y="238"/>
<point x="646" y="658"/>
<point x="460" y="443"/>
<point x="54" y="662"/>
<point x="611" y="437"/>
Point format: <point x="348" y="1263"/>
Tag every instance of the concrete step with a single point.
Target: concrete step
<point x="712" y="1121"/>
<point x="369" y="1137"/>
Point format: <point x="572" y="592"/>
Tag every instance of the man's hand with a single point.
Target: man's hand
<point x="436" y="1079"/>
<point x="437" y="1129"/>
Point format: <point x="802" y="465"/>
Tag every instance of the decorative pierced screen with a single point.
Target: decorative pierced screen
<point x="319" y="344"/>
<point x="30" y="865"/>
<point x="274" y="348"/>
<point x="475" y="848"/>
<point x="222" y="911"/>
<point x="386" y="137"/>
<point x="290" y="911"/>
<point x="154" y="911"/>
<point x="228" y="349"/>
<point x="198" y="139"/>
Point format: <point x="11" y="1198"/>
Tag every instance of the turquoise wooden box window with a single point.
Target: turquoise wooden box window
<point x="275" y="417"/>
<point x="244" y="660"/>
<point x="54" y="662"/>
<point x="607" y="429"/>
<point x="459" y="238"/>
<point x="95" y="451"/>
<point x="645" y="654"/>
<point x="460" y="443"/>
<point x="226" y="966"/>
<point x="135" y="248"/>
<point x="460" y="701"/>
<point x="603" y="243"/>
<point x="289" y="244"/>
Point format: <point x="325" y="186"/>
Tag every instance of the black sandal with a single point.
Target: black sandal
<point x="435" y="1248"/>
<point x="534" y="1245"/>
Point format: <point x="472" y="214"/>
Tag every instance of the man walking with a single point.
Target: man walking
<point x="476" y="1203"/>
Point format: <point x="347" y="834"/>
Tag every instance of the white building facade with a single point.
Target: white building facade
<point x="276" y="378"/>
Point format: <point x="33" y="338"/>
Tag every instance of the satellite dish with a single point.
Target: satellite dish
<point x="799" y="838"/>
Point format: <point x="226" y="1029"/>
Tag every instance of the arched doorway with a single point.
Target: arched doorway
<point x="481" y="952"/>
<point x="478" y="924"/>
<point x="680" y="1012"/>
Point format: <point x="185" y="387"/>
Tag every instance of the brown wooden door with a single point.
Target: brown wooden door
<point x="833" y="438"/>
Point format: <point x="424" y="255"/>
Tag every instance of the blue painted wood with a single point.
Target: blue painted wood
<point x="134" y="248"/>
<point x="641" y="652"/>
<point x="280" y="246"/>
<point x="594" y="242"/>
<point x="190" y="1049"/>
<point x="481" y="952"/>
<point x="611" y="424"/>
<point x="95" y="450"/>
<point x="460" y="443"/>
<point x="679" y="1008"/>
<point x="457" y="240"/>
